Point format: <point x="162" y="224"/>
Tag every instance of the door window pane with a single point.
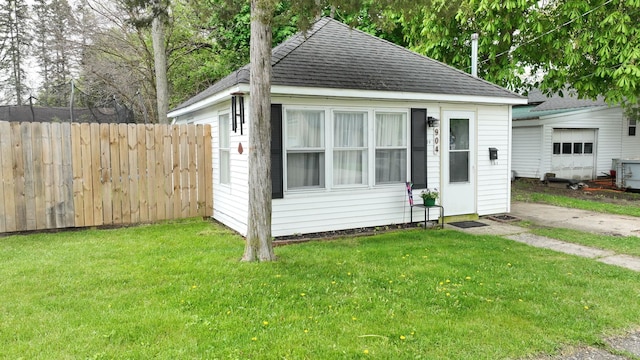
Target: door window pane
<point x="459" y="166"/>
<point x="459" y="134"/>
<point x="556" y="148"/>
<point x="566" y="148"/>
<point x="458" y="150"/>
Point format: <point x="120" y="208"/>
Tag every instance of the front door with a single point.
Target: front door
<point x="459" y="167"/>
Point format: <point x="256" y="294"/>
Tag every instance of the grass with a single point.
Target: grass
<point x="177" y="290"/>
<point x="629" y="245"/>
<point x="632" y="209"/>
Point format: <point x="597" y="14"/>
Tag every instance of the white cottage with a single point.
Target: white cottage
<point x="353" y="118"/>
<point x="570" y="137"/>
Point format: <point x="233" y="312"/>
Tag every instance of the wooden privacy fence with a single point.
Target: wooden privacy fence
<point x="74" y="175"/>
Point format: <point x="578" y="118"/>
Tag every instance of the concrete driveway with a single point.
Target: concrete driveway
<point x="555" y="216"/>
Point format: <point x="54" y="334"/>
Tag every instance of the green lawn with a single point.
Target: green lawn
<point x="177" y="291"/>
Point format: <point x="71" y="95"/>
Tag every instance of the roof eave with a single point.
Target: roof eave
<point x="209" y="101"/>
<point x="350" y="94"/>
<point x="393" y="95"/>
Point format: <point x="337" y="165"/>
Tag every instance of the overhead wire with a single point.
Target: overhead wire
<point x="549" y="32"/>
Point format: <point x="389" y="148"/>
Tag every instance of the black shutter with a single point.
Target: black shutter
<point x="277" y="191"/>
<point x="419" y="148"/>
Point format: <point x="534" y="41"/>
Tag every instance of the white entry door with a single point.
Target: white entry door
<point x="459" y="163"/>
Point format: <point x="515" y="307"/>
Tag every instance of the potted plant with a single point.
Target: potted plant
<point x="429" y="196"/>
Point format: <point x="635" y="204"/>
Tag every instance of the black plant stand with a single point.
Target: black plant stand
<point x="426" y="213"/>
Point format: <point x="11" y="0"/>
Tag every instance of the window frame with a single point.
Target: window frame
<point x="328" y="180"/>
<point x="406" y="147"/>
<point x="587" y="148"/>
<point x="364" y="150"/>
<point x="224" y="180"/>
<point x="288" y="149"/>
<point x="577" y="148"/>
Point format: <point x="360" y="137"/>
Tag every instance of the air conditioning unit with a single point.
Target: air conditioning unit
<point x="627" y="173"/>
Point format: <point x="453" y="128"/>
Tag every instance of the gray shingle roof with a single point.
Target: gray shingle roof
<point x="333" y="55"/>
<point x="542" y="105"/>
<point x="569" y="100"/>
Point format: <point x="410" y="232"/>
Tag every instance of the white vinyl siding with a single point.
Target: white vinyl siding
<point x="493" y="187"/>
<point x="630" y="144"/>
<point x="527" y="142"/>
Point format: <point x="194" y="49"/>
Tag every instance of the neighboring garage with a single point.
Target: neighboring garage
<point x="572" y="138"/>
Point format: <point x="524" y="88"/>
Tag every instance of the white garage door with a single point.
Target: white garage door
<point x="573" y="153"/>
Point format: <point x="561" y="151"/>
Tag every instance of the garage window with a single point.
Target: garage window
<point x="556" y="148"/>
<point x="588" y="148"/>
<point x="566" y="148"/>
<point x="577" y="148"/>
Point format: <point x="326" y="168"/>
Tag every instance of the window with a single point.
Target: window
<point x="225" y="164"/>
<point x="577" y="148"/>
<point x="566" y="148"/>
<point x="391" y="148"/>
<point x="305" y="149"/>
<point x="556" y="148"/>
<point x="459" y="151"/>
<point x="349" y="148"/>
<point x="632" y="127"/>
<point x="588" y="148"/>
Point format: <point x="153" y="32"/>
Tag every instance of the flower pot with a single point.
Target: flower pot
<point x="429" y="202"/>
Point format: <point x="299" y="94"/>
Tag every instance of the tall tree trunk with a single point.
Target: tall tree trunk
<point x="259" y="246"/>
<point x="160" y="63"/>
<point x="15" y="41"/>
